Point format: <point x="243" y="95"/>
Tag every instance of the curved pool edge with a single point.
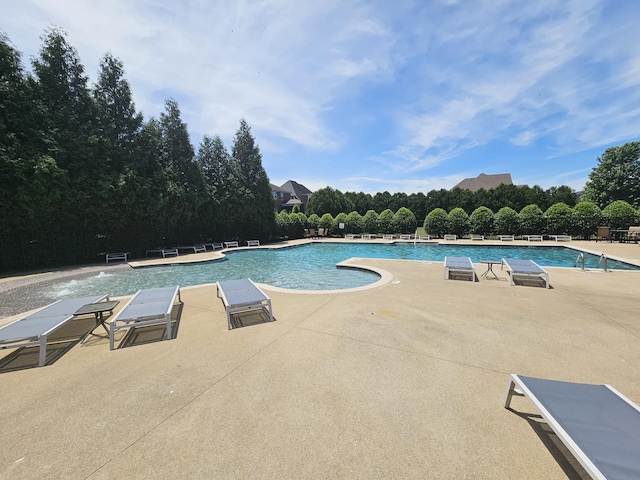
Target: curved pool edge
<point x="385" y="277"/>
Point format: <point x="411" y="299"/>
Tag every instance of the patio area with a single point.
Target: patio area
<point x="405" y="380"/>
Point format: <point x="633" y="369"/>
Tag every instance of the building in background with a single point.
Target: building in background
<point x="289" y="195"/>
<point x="485" y="181"/>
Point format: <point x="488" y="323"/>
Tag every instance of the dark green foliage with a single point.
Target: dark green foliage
<point x="588" y="218"/>
<point x="370" y="222"/>
<point x="327" y="222"/>
<point x="82" y="160"/>
<point x="620" y="215"/>
<point x="354" y="223"/>
<point x="384" y="221"/>
<point x="403" y="221"/>
<point x="481" y="221"/>
<point x="561" y="220"/>
<point x="458" y="222"/>
<point x="532" y="220"/>
<point x="313" y="220"/>
<point x="506" y="222"/>
<point x="435" y="222"/>
<point x="328" y="200"/>
<point x="616" y="177"/>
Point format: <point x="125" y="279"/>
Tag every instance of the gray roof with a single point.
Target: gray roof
<point x="296" y="188"/>
<point x="485" y="181"/>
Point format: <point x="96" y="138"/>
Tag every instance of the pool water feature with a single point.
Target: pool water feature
<point x="312" y="266"/>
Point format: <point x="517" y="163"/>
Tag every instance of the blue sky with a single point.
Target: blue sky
<point x="403" y="96"/>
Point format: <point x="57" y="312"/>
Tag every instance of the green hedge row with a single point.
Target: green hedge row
<point x="559" y="219"/>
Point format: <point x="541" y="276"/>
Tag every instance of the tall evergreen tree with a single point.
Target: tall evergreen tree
<point x="69" y="120"/>
<point x="255" y="204"/>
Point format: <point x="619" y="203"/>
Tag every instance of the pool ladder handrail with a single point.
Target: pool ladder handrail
<point x="604" y="259"/>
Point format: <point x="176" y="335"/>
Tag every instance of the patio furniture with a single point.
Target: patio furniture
<point x="450" y="237"/>
<point x="477" y="237"/>
<point x="604" y="233"/>
<point x="524" y="268"/>
<point x="117" y="256"/>
<point x="532" y="238"/>
<point x="151" y="306"/>
<point x="367" y="236"/>
<point x="242" y="296"/>
<point x="35" y="328"/>
<point x="193" y="248"/>
<point x="388" y="236"/>
<point x="459" y="265"/>
<point x="405" y="236"/>
<point x="505" y="238"/>
<point x="231" y="244"/>
<point x="98" y="310"/>
<point x="350" y="236"/>
<point x="253" y="243"/>
<point x="163" y="252"/>
<point x="489" y="271"/>
<point x="633" y="234"/>
<point x="561" y="238"/>
<point x="597" y="424"/>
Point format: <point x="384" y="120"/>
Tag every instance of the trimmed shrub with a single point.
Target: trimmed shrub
<point x="435" y="222"/>
<point x="354" y="223"/>
<point x="458" y="222"/>
<point x="561" y="219"/>
<point x="384" y="221"/>
<point x="327" y="222"/>
<point x="481" y="221"/>
<point x="532" y="221"/>
<point x="370" y="221"/>
<point x="620" y="215"/>
<point x="588" y="218"/>
<point x="403" y="221"/>
<point x="506" y="222"/>
<point x="313" y="221"/>
<point x="282" y="224"/>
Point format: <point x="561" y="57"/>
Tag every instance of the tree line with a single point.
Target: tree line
<point x="79" y="158"/>
<point x="329" y="200"/>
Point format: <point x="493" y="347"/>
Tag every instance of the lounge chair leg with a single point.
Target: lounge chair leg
<point x="511" y="391"/>
<point x="42" y="356"/>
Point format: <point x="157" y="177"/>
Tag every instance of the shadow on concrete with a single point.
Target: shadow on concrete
<point x="60" y="342"/>
<point x="153" y="333"/>
<point x="558" y="450"/>
<point x="252" y="317"/>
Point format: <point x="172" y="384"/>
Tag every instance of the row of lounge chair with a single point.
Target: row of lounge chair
<point x="151" y="306"/>
<point x="176" y="251"/>
<point x="515" y="268"/>
<point x="511" y="238"/>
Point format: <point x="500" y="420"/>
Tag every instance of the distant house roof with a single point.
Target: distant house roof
<point x="485" y="181"/>
<point x="275" y="188"/>
<point x="298" y="189"/>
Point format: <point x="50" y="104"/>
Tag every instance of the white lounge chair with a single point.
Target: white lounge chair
<point x="253" y="243"/>
<point x="599" y="425"/>
<point x="34" y="329"/>
<point x="242" y="296"/>
<point x="477" y="237"/>
<point x="533" y="238"/>
<point x="450" y="237"/>
<point x="524" y="268"/>
<point x="506" y="238"/>
<point x="459" y="265"/>
<point x="151" y="306"/>
<point x="561" y="238"/>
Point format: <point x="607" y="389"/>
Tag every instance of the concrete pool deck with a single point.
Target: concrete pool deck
<point x="405" y="380"/>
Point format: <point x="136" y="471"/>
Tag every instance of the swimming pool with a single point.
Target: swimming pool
<point x="311" y="266"/>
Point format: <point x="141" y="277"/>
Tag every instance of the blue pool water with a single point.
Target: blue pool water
<point x="311" y="266"/>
